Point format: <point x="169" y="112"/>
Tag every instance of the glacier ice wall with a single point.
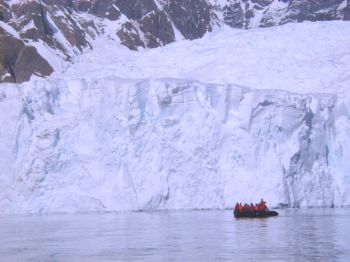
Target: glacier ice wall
<point x="112" y="144"/>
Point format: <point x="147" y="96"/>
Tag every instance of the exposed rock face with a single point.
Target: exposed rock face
<point x="36" y="13"/>
<point x="192" y="18"/>
<point x="156" y="23"/>
<point x="50" y="24"/>
<point x="314" y="10"/>
<point x="157" y="29"/>
<point x="18" y="61"/>
<point x="136" y="9"/>
<point x="5" y="12"/>
<point x="129" y="36"/>
<point x="67" y="27"/>
<point x="99" y="8"/>
<point x="105" y="9"/>
<point x="299" y="11"/>
<point x="234" y="15"/>
<point x="263" y="13"/>
<point x="154" y="26"/>
<point x="347" y="13"/>
<point x="45" y="22"/>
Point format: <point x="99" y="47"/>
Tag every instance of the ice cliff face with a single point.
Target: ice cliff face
<point x="113" y="144"/>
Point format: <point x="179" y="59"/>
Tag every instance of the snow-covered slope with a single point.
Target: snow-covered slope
<point x="307" y="57"/>
<point x="120" y="130"/>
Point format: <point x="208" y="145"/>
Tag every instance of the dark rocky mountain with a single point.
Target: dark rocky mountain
<point x="30" y="29"/>
<point x="263" y="13"/>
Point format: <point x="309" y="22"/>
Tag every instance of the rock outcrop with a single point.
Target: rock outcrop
<point x="19" y="61"/>
<point x="192" y="18"/>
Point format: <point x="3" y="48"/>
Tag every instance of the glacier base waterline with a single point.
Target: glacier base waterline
<point x="113" y="144"/>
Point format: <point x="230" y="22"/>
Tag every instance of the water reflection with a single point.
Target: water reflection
<point x="296" y="235"/>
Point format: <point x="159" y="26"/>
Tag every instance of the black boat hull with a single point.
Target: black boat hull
<point x="260" y="214"/>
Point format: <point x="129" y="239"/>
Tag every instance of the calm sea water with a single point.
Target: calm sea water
<point x="295" y="235"/>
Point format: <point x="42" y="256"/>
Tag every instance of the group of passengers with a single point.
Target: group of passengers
<point x="260" y="207"/>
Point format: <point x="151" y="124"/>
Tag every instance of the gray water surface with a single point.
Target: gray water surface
<point x="295" y="235"/>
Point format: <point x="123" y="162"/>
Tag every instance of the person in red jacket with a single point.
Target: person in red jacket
<point x="240" y="208"/>
<point x="246" y="207"/>
<point x="263" y="205"/>
<point x="236" y="206"/>
<point x="256" y="208"/>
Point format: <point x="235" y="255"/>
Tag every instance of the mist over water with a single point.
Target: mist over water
<point x="295" y="235"/>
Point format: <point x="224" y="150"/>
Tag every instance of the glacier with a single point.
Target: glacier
<point x="302" y="58"/>
<point x="114" y="144"/>
<point x="235" y="116"/>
